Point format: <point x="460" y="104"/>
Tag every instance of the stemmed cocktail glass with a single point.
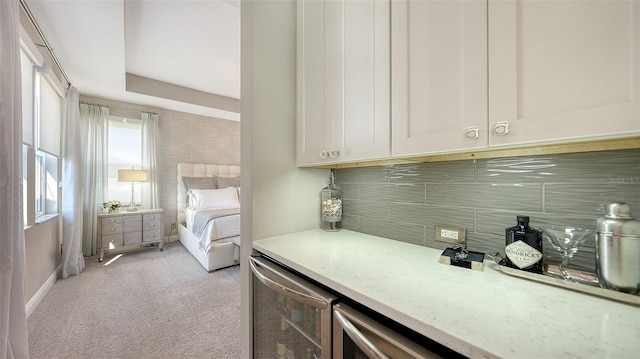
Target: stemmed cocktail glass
<point x="566" y="240"/>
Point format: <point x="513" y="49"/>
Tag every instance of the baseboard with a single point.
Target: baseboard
<point x="44" y="289"/>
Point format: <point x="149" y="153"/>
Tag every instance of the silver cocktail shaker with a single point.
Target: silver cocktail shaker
<point x="618" y="249"/>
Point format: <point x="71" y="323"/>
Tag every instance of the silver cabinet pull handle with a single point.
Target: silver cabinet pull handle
<point x="288" y="292"/>
<point x="324" y="154"/>
<point x="472" y="133"/>
<point x="501" y="128"/>
<point x="334" y="153"/>
<point x="360" y="339"/>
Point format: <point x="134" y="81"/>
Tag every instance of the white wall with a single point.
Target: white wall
<point x="277" y="197"/>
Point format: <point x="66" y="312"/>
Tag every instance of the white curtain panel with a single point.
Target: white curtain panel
<point x="94" y="128"/>
<point x="72" y="194"/>
<point x="149" y="160"/>
<point x="13" y="318"/>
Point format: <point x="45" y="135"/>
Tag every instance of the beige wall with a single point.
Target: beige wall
<point x="42" y="252"/>
<point x="277" y="197"/>
<point x="275" y="177"/>
<point x="42" y="240"/>
<point x="182" y="137"/>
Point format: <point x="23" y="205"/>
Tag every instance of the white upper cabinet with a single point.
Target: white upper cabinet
<point x="471" y="74"/>
<point x="439" y="76"/>
<point x="403" y="78"/>
<point x="312" y="112"/>
<point x="343" y="81"/>
<point x="560" y="71"/>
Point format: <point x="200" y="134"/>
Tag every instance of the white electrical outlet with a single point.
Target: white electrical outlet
<point x="450" y="234"/>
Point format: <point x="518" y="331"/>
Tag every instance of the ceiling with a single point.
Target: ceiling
<point x="181" y="55"/>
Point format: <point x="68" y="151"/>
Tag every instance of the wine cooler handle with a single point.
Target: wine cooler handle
<point x="293" y="294"/>
<point x="360" y="339"/>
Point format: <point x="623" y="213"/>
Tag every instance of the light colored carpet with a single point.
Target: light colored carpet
<point x="145" y="304"/>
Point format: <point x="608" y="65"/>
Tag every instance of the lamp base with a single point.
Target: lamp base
<point x="132" y="203"/>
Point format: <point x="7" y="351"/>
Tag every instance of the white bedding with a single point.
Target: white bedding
<point x="223" y="252"/>
<point x="217" y="229"/>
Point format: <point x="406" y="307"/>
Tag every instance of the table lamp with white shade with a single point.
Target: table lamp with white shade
<point x="132" y="176"/>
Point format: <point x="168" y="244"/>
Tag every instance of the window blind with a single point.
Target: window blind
<point x="27" y="98"/>
<point x="50" y="118"/>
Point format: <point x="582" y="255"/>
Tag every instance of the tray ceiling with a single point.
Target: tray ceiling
<point x="181" y="55"/>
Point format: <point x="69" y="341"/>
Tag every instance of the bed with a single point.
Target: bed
<point x="214" y="190"/>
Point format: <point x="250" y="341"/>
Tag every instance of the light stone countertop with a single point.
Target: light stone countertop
<point x="479" y="314"/>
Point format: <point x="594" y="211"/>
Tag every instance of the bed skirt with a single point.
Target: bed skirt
<point x="223" y="253"/>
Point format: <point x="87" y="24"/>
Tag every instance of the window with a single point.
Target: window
<point x="48" y="116"/>
<point x="40" y="184"/>
<point x="124" y="152"/>
<point x="27" y="76"/>
<point x="25" y="186"/>
<point x="26" y="73"/>
<point x="46" y="184"/>
<point x="42" y="116"/>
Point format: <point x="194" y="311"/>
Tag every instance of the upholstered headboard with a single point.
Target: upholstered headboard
<point x="199" y="170"/>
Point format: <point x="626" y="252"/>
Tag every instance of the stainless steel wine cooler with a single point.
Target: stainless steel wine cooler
<point x="357" y="336"/>
<point x="291" y="317"/>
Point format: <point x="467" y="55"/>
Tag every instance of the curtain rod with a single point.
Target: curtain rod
<point x="32" y="19"/>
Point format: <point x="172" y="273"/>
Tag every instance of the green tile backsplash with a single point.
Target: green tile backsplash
<point x="405" y="202"/>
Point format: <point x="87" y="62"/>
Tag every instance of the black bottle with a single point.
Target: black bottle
<point x="523" y="247"/>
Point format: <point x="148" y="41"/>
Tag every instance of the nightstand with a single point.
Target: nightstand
<point x="124" y="229"/>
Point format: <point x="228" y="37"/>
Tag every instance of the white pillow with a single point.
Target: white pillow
<point x="213" y="198"/>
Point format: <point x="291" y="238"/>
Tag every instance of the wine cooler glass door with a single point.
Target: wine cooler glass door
<point x="291" y="317"/>
<point x="356" y="336"/>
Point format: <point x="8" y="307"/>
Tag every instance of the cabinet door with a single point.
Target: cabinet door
<point x="313" y="97"/>
<point x="563" y="70"/>
<point x="439" y="72"/>
<point x="343" y="81"/>
<point x="132" y="237"/>
<point x="361" y="31"/>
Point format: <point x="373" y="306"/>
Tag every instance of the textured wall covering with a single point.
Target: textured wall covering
<point x="405" y="202"/>
<point x="183" y="137"/>
<point x="190" y="138"/>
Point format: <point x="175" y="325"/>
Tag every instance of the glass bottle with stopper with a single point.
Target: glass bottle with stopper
<point x="523" y="246"/>
<point x="331" y="205"/>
